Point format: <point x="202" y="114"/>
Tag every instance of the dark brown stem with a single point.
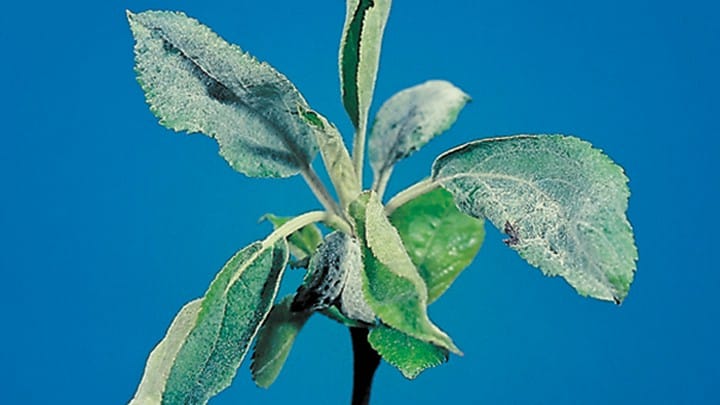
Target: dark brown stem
<point x="366" y="361"/>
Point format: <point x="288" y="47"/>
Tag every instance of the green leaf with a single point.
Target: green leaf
<point x="409" y="355"/>
<point x="392" y="285"/>
<point x="409" y="120"/>
<point x="562" y="203"/>
<point x="360" y="54"/>
<point x="335" y="156"/>
<point x="163" y="356"/>
<point x="274" y="341"/>
<point x="207" y="348"/>
<point x="440" y="239"/>
<point x="194" y="81"/>
<point x="303" y="242"/>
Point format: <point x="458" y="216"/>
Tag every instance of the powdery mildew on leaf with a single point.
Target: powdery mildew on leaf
<point x="563" y="201"/>
<point x="327" y="273"/>
<point x="393" y="287"/>
<point x="232" y="311"/>
<point x="163" y="356"/>
<point x="194" y="81"/>
<point x="410" y="119"/>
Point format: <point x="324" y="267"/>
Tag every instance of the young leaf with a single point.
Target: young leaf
<point x="360" y="54"/>
<point x="327" y="273"/>
<point x="163" y="356"/>
<point x="441" y="240"/>
<point x="392" y="285"/>
<point x="335" y="156"/>
<point x="359" y="57"/>
<point x="561" y="202"/>
<point x="409" y="355"/>
<point x="194" y="81"/>
<point x="303" y="242"/>
<point x="275" y="340"/>
<point x="409" y="120"/>
<point x="228" y="318"/>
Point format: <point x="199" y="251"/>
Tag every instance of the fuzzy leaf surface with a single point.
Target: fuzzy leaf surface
<point x="440" y="239"/>
<point x="335" y="157"/>
<point x="229" y="316"/>
<point x="409" y="120"/>
<point x="562" y="203"/>
<point x="409" y="355"/>
<point x="360" y="54"/>
<point x="274" y="341"/>
<point x="196" y="82"/>
<point x="393" y="287"/>
<point x="163" y="357"/>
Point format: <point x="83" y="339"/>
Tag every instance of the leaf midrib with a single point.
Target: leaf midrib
<point x="292" y="146"/>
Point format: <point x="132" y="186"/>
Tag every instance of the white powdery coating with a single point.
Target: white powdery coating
<point x="163" y="356"/>
<point x="194" y="81"/>
<point x="352" y="300"/>
<point x="410" y="119"/>
<point x="564" y="200"/>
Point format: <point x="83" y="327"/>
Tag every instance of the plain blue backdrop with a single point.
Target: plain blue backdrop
<point x="109" y="223"/>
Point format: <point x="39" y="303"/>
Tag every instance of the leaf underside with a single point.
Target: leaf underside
<point x="562" y="203"/>
<point x="194" y="81"/>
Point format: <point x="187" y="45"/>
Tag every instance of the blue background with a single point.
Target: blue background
<point x="109" y="222"/>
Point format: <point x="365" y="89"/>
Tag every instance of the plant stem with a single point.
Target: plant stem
<point x="359" y="152"/>
<point x="306" y="219"/>
<point x="320" y="191"/>
<point x="380" y="183"/>
<point x="409" y="193"/>
<point x="365" y="363"/>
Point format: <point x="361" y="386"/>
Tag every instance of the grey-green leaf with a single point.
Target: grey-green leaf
<point x="409" y="120"/>
<point x="327" y="273"/>
<point x="163" y="356"/>
<point x="302" y="242"/>
<point x="335" y="156"/>
<point x="231" y="312"/>
<point x="562" y="203"/>
<point x="194" y="81"/>
<point x="360" y="54"/>
<point x="440" y="239"/>
<point x="409" y="355"/>
<point x="393" y="288"/>
<point x="274" y="341"/>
